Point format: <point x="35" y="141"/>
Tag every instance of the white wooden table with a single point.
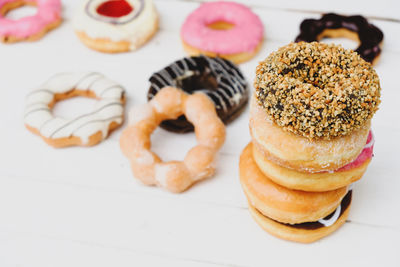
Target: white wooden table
<point x="82" y="206"/>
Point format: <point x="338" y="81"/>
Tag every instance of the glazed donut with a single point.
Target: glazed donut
<point x="280" y="203"/>
<point x="357" y="28"/>
<point x="30" y="28"/>
<point x="302" y="154"/>
<point x="114" y="26"/>
<point x="305" y="232"/>
<point x="175" y="176"/>
<point x="218" y="78"/>
<point x="316" y="182"/>
<point x="225" y="29"/>
<point x="87" y="129"/>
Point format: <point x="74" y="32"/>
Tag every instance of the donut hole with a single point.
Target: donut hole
<point x="18" y="10"/>
<point x="70" y="107"/>
<point x="165" y="144"/>
<point x="197" y="81"/>
<point x="343" y="37"/>
<point x="220" y="25"/>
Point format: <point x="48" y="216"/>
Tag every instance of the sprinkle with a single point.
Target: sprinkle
<point x="317" y="90"/>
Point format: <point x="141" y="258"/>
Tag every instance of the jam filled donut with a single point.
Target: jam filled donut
<point x="356" y="28"/>
<point x="86" y="129"/>
<point x="169" y="103"/>
<point x="225" y="29"/>
<point x="314" y="106"/>
<point x="30" y="28"/>
<point x="113" y="26"/>
<point x="320" y="181"/>
<point x="291" y="214"/>
<point x="218" y="78"/>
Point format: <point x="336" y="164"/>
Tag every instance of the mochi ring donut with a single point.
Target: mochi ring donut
<point x="225" y="29"/>
<point x="30" y="28"/>
<point x="169" y="103"/>
<point x="114" y="26"/>
<point x="87" y="129"/>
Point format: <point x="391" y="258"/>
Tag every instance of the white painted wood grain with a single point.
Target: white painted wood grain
<point x="82" y="207"/>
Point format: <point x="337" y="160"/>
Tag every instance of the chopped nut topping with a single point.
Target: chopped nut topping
<point x="317" y="90"/>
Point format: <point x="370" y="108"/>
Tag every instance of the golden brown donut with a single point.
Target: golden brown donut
<point x="312" y="182"/>
<point x="280" y="203"/>
<point x="170" y="103"/>
<point x="299" y="153"/>
<point x="287" y="232"/>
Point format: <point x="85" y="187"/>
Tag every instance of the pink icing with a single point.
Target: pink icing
<point x="365" y="154"/>
<point x="243" y="37"/>
<point x="48" y="11"/>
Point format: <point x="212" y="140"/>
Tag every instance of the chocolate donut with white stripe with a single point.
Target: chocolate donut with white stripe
<point x="218" y="78"/>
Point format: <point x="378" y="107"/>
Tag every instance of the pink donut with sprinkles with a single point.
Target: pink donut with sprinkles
<point x="225" y="29"/>
<point x="29" y="28"/>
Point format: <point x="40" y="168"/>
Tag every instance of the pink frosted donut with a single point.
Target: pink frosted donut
<point x="31" y="28"/>
<point x="237" y="38"/>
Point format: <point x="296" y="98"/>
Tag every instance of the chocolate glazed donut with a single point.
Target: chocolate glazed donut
<point x="368" y="35"/>
<point x="218" y="78"/>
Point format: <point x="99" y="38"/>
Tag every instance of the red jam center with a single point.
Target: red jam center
<point x="114" y="8"/>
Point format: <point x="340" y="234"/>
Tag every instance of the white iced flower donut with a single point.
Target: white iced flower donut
<point x="113" y="26"/>
<point x="86" y="129"/>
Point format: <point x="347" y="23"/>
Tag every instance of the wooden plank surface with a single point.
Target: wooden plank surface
<point x="82" y="207"/>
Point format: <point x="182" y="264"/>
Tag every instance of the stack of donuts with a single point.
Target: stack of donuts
<point x="311" y="138"/>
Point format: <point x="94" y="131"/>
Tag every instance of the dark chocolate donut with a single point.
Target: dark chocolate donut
<point x="370" y="36"/>
<point x="218" y="78"/>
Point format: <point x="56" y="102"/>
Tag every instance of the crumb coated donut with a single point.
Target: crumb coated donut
<point x="316" y="182"/>
<point x="114" y="26"/>
<point x="357" y="28"/>
<point x="225" y="29"/>
<point x="280" y="203"/>
<point x="317" y="90"/>
<point x="29" y="28"/>
<point x="305" y="232"/>
<point x="219" y="79"/>
<point x="86" y="129"/>
<point x="302" y="154"/>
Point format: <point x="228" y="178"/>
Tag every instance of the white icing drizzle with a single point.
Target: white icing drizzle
<point x="108" y="108"/>
<point x="232" y="86"/>
<point x="133" y="27"/>
<point x="336" y="215"/>
<point x="371" y="142"/>
<point x="332" y="219"/>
